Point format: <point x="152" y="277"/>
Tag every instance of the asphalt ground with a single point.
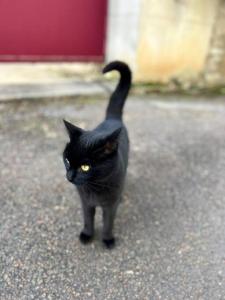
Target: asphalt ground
<point x="170" y="227"/>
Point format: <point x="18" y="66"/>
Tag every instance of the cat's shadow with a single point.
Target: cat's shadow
<point x="144" y="207"/>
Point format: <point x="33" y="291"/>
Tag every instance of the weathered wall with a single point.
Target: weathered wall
<point x="214" y="72"/>
<point x="162" y="40"/>
<point x="174" y="38"/>
<point x="123" y="30"/>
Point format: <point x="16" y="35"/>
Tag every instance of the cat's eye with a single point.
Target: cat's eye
<point x="85" y="168"/>
<point x="67" y="163"/>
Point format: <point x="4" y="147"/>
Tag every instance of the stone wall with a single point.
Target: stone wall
<point x="169" y="39"/>
<point x="214" y="72"/>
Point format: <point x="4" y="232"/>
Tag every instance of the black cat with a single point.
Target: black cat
<point x="96" y="161"/>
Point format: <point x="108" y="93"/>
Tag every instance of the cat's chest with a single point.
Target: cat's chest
<point x="93" y="198"/>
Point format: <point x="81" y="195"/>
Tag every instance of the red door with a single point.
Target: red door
<point x="44" y="30"/>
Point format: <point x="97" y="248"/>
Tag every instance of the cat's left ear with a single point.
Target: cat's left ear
<point x="111" y="141"/>
<point x="73" y="131"/>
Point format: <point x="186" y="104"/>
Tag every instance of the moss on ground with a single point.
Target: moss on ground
<point x="177" y="88"/>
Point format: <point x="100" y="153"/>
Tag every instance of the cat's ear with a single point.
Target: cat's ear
<point x="73" y="131"/>
<point x="110" y="143"/>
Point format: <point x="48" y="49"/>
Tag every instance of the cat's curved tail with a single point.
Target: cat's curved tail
<point x="118" y="97"/>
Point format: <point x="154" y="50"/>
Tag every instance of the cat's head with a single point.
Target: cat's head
<point x="90" y="155"/>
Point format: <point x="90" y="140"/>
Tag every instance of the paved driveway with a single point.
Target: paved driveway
<point x="170" y="227"/>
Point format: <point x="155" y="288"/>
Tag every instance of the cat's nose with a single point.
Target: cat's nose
<point x="70" y="175"/>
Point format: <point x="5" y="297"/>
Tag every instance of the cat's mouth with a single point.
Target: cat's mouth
<point x="76" y="181"/>
<point x="75" y="178"/>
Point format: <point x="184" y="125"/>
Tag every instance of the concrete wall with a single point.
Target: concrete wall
<point x="168" y="39"/>
<point x="123" y="30"/>
<point x="214" y="72"/>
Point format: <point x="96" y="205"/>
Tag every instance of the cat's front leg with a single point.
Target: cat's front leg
<point x="109" y="213"/>
<point x="87" y="233"/>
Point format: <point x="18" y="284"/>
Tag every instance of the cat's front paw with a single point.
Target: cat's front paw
<point x="109" y="243"/>
<point x="85" y="238"/>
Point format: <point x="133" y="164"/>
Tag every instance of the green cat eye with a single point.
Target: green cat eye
<point x="85" y="168"/>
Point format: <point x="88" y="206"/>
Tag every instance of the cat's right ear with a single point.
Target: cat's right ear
<point x="74" y="132"/>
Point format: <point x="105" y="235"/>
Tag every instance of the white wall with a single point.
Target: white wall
<point x="122" y="30"/>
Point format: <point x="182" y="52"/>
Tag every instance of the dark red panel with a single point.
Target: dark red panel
<point x="52" y="29"/>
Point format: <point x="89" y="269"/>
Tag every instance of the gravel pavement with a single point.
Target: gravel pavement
<point x="170" y="226"/>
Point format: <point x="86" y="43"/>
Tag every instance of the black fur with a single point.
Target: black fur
<point x="105" y="150"/>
